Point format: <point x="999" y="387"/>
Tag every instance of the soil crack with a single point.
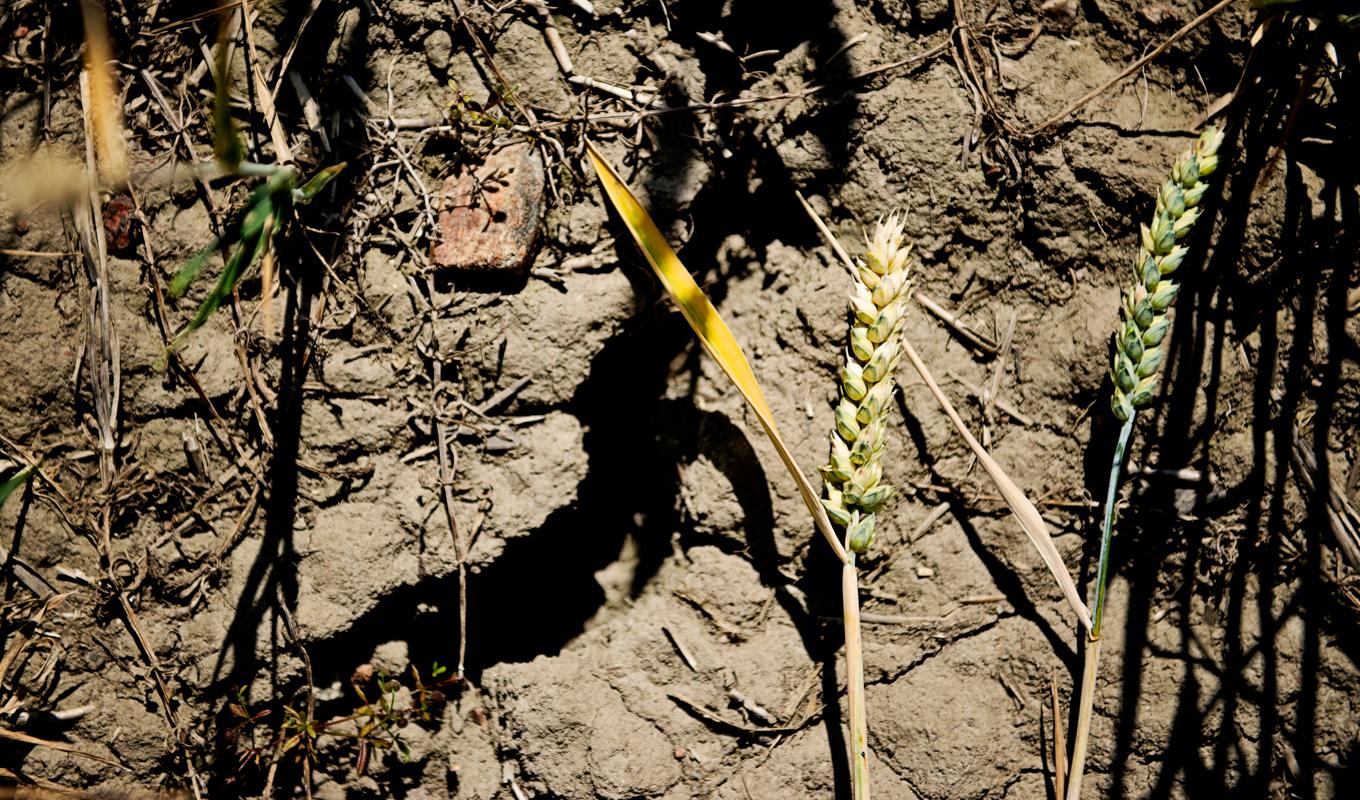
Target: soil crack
<point x="926" y="656"/>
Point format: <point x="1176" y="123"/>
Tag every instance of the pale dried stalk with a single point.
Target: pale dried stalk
<point x="105" y="121"/>
<point x="854" y="680"/>
<point x="1082" y="734"/>
<point x="1025" y="512"/>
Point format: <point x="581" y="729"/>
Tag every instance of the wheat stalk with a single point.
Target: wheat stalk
<point x="1137" y="358"/>
<point x="855" y="490"/>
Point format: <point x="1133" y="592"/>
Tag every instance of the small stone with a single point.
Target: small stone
<point x="501" y="442"/>
<point x="439" y="50"/>
<point x="1155" y="14"/>
<point x="1060" y="9"/>
<point x="391" y="657"/>
<point x="490" y="216"/>
<point x="922" y="571"/>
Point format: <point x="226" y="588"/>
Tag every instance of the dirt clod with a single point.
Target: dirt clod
<point x="439" y="49"/>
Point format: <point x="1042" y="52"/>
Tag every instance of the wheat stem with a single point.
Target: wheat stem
<point x="1107" y="527"/>
<point x="1082" y="734"/>
<point x="854" y="681"/>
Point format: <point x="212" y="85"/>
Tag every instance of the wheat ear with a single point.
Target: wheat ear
<point x="1137" y="357"/>
<point x="855" y="490"/>
<point x="1138" y="351"/>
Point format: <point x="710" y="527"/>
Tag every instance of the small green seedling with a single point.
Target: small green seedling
<point x="15" y="481"/>
<point x="375" y="725"/>
<point x="255" y="227"/>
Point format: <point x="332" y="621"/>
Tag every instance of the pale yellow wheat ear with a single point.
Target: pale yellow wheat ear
<point x="855" y="489"/>
<point x="879" y="292"/>
<point x="708" y="325"/>
<point x="1025" y="513"/>
<point x="106" y="118"/>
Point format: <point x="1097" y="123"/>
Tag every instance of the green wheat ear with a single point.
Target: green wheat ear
<point x="1137" y="357"/>
<point x="1138" y="344"/>
<point x="855" y="490"/>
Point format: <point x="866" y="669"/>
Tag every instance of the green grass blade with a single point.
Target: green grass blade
<point x="15" y="481"/>
<point x="189" y="272"/>
<point x="236" y="266"/>
<point x="316" y="183"/>
<point x="261" y="206"/>
<point x="256" y="228"/>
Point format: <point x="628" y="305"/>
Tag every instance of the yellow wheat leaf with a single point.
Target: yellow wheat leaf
<point x="713" y="333"/>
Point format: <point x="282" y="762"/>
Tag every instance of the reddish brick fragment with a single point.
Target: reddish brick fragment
<point x="490" y="216"/>
<point x="119" y="214"/>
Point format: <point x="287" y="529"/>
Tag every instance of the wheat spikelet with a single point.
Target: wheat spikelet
<point x="1138" y="351"/>
<point x="878" y="301"/>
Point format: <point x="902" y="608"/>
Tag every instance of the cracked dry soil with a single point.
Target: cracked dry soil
<point x="645" y="596"/>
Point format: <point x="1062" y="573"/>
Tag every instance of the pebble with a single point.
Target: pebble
<point x="490" y="217"/>
<point x="439" y="50"/>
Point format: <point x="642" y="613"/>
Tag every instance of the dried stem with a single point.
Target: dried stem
<point x="854" y="680"/>
<point x="104" y="367"/>
<point x="1077" y="104"/>
<point x="1082" y="734"/>
<point x="1024" y="510"/>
